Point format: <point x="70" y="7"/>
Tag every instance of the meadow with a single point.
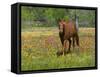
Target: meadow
<point x="40" y="45"/>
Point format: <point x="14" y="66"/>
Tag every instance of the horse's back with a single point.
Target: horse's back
<point x="70" y="26"/>
<point x="70" y="29"/>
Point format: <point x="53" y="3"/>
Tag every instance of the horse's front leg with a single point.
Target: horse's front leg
<point x="64" y="47"/>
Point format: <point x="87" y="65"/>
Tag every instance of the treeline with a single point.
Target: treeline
<point x="40" y="16"/>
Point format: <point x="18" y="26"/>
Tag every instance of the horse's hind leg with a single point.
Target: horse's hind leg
<point x="69" y="45"/>
<point x="77" y="42"/>
<point x="73" y="39"/>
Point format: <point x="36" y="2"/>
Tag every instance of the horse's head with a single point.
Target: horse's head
<point x="61" y="26"/>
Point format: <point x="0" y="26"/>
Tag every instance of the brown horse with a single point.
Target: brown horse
<point x="68" y="31"/>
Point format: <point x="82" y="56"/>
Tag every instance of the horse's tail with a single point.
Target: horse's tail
<point x="76" y="23"/>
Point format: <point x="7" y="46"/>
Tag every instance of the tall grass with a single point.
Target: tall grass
<point x="39" y="47"/>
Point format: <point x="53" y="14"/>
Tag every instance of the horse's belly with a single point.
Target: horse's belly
<point x="69" y="35"/>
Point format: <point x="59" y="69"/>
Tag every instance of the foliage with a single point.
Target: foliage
<point x="41" y="16"/>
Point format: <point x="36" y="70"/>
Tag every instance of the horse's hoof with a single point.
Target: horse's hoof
<point x="65" y="52"/>
<point x="59" y="53"/>
<point x="68" y="52"/>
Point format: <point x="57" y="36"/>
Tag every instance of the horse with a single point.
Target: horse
<point x="68" y="31"/>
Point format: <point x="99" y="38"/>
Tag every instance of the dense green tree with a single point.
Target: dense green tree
<point x="41" y="16"/>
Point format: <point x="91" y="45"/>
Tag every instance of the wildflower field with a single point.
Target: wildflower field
<point x="40" y="45"/>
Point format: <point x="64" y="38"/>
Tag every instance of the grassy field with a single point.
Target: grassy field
<point x="40" y="44"/>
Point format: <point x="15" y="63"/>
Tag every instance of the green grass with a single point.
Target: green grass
<point x="39" y="47"/>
